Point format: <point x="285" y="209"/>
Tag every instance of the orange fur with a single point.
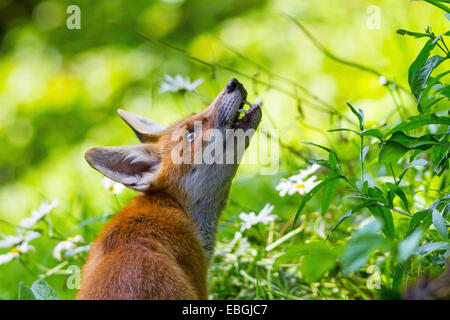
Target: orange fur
<point x="140" y="238"/>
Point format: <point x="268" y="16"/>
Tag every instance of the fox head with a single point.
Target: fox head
<point x="195" y="157"/>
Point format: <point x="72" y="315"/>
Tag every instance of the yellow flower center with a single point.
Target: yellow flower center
<point x="15" y="250"/>
<point x="300" y="186"/>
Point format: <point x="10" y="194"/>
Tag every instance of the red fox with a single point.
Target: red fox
<point x="159" y="246"/>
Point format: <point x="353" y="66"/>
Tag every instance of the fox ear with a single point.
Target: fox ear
<point x="134" y="166"/>
<point x="144" y="129"/>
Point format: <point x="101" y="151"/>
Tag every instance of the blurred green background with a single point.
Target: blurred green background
<point x="60" y="89"/>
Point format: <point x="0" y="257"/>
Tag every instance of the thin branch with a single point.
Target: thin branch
<point x="275" y="76"/>
<point x="325" y="108"/>
<point x="393" y="209"/>
<point x="332" y="56"/>
<point x="298" y="153"/>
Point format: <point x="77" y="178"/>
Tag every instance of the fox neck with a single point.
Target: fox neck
<point x="206" y="212"/>
<point x="206" y="198"/>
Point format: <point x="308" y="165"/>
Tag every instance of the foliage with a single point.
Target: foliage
<point x="40" y="290"/>
<point x="399" y="152"/>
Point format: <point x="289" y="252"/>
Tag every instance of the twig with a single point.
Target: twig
<point x="325" y="108"/>
<point x="285" y="237"/>
<point x="276" y="76"/>
<point x="332" y="56"/>
<point x="53" y="270"/>
<point x="393" y="209"/>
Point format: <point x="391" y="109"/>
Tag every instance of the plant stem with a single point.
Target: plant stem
<point x="325" y="108"/>
<point x="439" y="5"/>
<point x="393" y="174"/>
<point x="393" y="209"/>
<point x="332" y="56"/>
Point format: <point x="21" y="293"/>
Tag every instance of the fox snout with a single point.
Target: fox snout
<point x="233" y="84"/>
<point x="232" y="108"/>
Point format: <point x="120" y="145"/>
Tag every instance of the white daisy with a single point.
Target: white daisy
<point x="67" y="245"/>
<point x="286" y="187"/>
<point x="297" y="183"/>
<point x="306" y="186"/>
<point x="178" y="83"/>
<point x="15" y="252"/>
<point x="250" y="219"/>
<point x="39" y="214"/>
<point x="7" y="257"/>
<point x="113" y="187"/>
<point x="10" y="241"/>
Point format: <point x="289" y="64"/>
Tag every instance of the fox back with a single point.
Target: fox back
<point x="160" y="244"/>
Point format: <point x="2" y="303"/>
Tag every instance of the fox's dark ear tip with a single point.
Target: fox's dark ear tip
<point x="88" y="155"/>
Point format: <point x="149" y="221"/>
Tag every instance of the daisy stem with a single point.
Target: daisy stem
<point x="285" y="237"/>
<point x="55" y="269"/>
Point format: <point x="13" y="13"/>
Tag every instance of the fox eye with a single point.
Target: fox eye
<point x="190" y="137"/>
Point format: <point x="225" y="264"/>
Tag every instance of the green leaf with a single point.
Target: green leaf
<point x="431" y="247"/>
<point x="420" y="60"/>
<point x="344" y="129"/>
<point x="422" y="143"/>
<point x="414" y="163"/>
<point x="385" y="215"/>
<point x="318" y="259"/>
<point x="398" y="191"/>
<point x="329" y="190"/>
<point x="411" y="33"/>
<point x="308" y="196"/>
<point x="363" y="242"/>
<point x="333" y="161"/>
<point x="397" y="278"/>
<point x="421" y="76"/>
<point x="445" y="91"/>
<point x="440" y="157"/>
<point x="348" y="214"/>
<point x="419" y="121"/>
<point x="291" y="255"/>
<point x="391" y="152"/>
<point x="42" y="290"/>
<point x="422" y="218"/>
<point x="359" y="114"/>
<point x="408" y="246"/>
<point x="320" y="162"/>
<point x="438" y="4"/>
<point x="25" y="293"/>
<point x="439" y="223"/>
<point x="341" y="219"/>
<point x="372" y="132"/>
<point x="424" y="95"/>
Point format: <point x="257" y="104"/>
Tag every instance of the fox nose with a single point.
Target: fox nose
<point x="233" y="84"/>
